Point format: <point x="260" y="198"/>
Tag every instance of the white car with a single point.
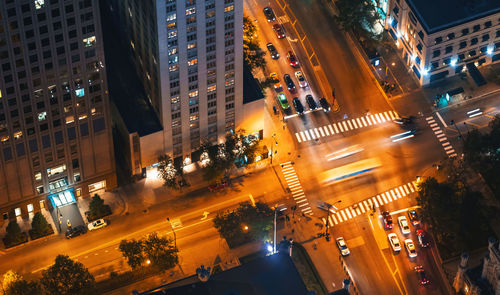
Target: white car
<point x="342" y="246"/>
<point x="393" y="239"/>
<point x="97" y="224"/>
<point x="410" y="248"/>
<point x="403" y="225"/>
<point x="302" y="80"/>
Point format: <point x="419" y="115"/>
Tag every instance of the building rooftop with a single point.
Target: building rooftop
<point x="269" y="275"/>
<point x="251" y="88"/>
<point x="437" y="15"/>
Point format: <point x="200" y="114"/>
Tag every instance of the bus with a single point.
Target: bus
<point x="349" y="171"/>
<point x="283" y="101"/>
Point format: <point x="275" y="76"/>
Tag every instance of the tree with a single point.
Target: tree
<point x="268" y="82"/>
<point x="217" y="163"/>
<point x="39" y="226"/>
<point x="23" y="287"/>
<point x="14" y="234"/>
<point x="160" y="251"/>
<point x="9" y="278"/>
<point x="132" y="251"/>
<point x="167" y="171"/>
<point x="97" y="208"/>
<point x="359" y="16"/>
<point x="253" y="55"/>
<point x="67" y="277"/>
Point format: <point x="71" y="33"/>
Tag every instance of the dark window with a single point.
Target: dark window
<point x="483" y="49"/>
<point x="46" y="141"/>
<point x="20" y="150"/>
<point x="449" y="49"/>
<point x="57" y="26"/>
<point x="84" y="129"/>
<point x="419" y="47"/>
<point x="29" y="34"/>
<point x="438" y="40"/>
<point x="465" y="32"/>
<point x="25" y="8"/>
<point x="59" y="38"/>
<point x="435" y="65"/>
<point x="396" y="10"/>
<point x="33" y="58"/>
<point x="69" y="8"/>
<point x="71" y="133"/>
<point x="58" y="136"/>
<point x="44" y="127"/>
<point x="99" y="125"/>
<point x="472" y="52"/>
<point x="40" y="105"/>
<point x="421" y="35"/>
<point x="446" y="61"/>
<point x="56" y="123"/>
<point x="70" y="21"/>
<point x="33" y="146"/>
<point x="476" y="28"/>
<point x="486" y="37"/>
<point x="463" y="44"/>
<point x="60" y="50"/>
<point x="73" y="46"/>
<point x="43" y="30"/>
<point x="55" y="12"/>
<point x="498" y="34"/>
<point x="487" y="24"/>
<point x="45" y="42"/>
<point x="473" y="41"/>
<point x="7" y="154"/>
<point x="461" y="56"/>
<point x="436" y="53"/>
<point x="451" y="36"/>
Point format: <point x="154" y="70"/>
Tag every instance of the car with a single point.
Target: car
<point x="75" y="231"/>
<point x="283" y="101"/>
<point x="403" y="225"/>
<point x="394" y="241"/>
<point x="310" y="102"/>
<point x="273" y="51"/>
<point x="280" y="32"/>
<point x="302" y="80"/>
<point x="289" y="83"/>
<point x="342" y="246"/>
<point x="218" y="186"/>
<point x="269" y="13"/>
<point x="327" y="207"/>
<point x="299" y="108"/>
<point x="404" y="120"/>
<point x="277" y="85"/>
<point x="423" y="238"/>
<point x="422" y="277"/>
<point x="99" y="223"/>
<point x="387" y="219"/>
<point x="413" y="216"/>
<point x="324" y="104"/>
<point x="292" y="59"/>
<point x="410" y="248"/>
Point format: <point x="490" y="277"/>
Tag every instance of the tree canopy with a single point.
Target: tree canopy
<point x="132" y="251"/>
<point x="253" y="55"/>
<point x="39" y="225"/>
<point x="359" y="16"/>
<point x="167" y="171"/>
<point x="67" y="277"/>
<point x="97" y="208"/>
<point x="160" y="251"/>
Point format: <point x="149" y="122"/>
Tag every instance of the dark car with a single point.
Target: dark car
<point x="422" y="277"/>
<point x="423" y="238"/>
<point x="324" y="104"/>
<point x="387" y="220"/>
<point x="310" y="102"/>
<point x="272" y="50"/>
<point x="289" y="83"/>
<point x="404" y="120"/>
<point x="75" y="231"/>
<point x="413" y="216"/>
<point x="269" y="13"/>
<point x="280" y="32"/>
<point x="298" y="105"/>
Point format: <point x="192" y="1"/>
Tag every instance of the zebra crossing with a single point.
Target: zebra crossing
<point x="293" y="182"/>
<point x="372" y="202"/>
<point x="449" y="150"/>
<point x="345" y="125"/>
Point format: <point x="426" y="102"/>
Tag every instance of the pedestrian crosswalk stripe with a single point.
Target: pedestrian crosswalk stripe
<point x="433" y="125"/>
<point x="326" y="131"/>
<point x="379" y="200"/>
<point x="401" y="191"/>
<point x="312" y="133"/>
<point x="359" y="122"/>
<point x="375" y="202"/>
<point x="358" y="211"/>
<point x="393" y="194"/>
<point x="350" y="125"/>
<point x="429" y="118"/>
<point x="353" y="211"/>
<point x="344" y="125"/>
<point x="362" y="207"/>
<point x="338" y="216"/>
<point x="300" y="201"/>
<point x="294" y="186"/>
<point x="407" y="191"/>
<point x="299" y="196"/>
<point x="438" y="132"/>
<point x="436" y="128"/>
<point x="364" y="121"/>
<point x="335" y="219"/>
<point x="343" y="215"/>
<point x="335" y="126"/>
<point x="293" y="181"/>
<point x="440" y="135"/>
<point x="371" y="203"/>
<point x="369" y="121"/>
<point x="385" y="198"/>
<point x="298" y="137"/>
<point x="341" y="128"/>
<point x="411" y="188"/>
<point x="331" y="129"/>
<point x="305" y="204"/>
<point x="316" y="132"/>
<point x="307" y="211"/>
<point x="307" y="135"/>
<point x="448" y="147"/>
<point x="450" y="151"/>
<point x="366" y="204"/>
<point x="321" y="131"/>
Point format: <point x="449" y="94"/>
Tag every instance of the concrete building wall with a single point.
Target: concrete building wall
<point x="253" y="117"/>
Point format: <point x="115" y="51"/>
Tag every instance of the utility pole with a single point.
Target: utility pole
<point x="330" y="207"/>
<point x="173" y="231"/>
<point x="452" y="122"/>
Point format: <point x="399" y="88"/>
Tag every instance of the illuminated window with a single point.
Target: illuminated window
<point x="30" y="208"/>
<point x="0" y="93"/>
<point x="172" y="51"/>
<point x="230" y="82"/>
<point x="89" y="41"/>
<point x="172" y="16"/>
<point x="56" y="170"/>
<point x="82" y="116"/>
<point x="38" y="176"/>
<point x="193" y="118"/>
<point x="172" y="34"/>
<point x="172" y="26"/>
<point x="18" y="134"/>
<point x="193" y="93"/>
<point x="192" y="62"/>
<point x="173" y="68"/>
<point x="68" y="109"/>
<point x="190" y="11"/>
<point x="174" y="99"/>
<point x="4" y="138"/>
<point x="42" y="116"/>
<point x="39" y="4"/>
<point x="80" y="92"/>
<point x="211" y="88"/>
<point x="229" y="8"/>
<point x="70" y="119"/>
<point x="17" y="211"/>
<point x="190" y="46"/>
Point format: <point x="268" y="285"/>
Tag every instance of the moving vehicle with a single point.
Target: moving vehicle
<point x="277" y="85"/>
<point x="387" y="219"/>
<point x="394" y="241"/>
<point x="422" y="277"/>
<point x="299" y="108"/>
<point x="292" y="59"/>
<point x="324" y="104"/>
<point x="99" y="223"/>
<point x="310" y="102"/>
<point x="404" y="120"/>
<point x="404" y="135"/>
<point x="413" y="216"/>
<point x="403" y="225"/>
<point x="269" y="13"/>
<point x="423" y="238"/>
<point x="280" y="32"/>
<point x="302" y="80"/>
<point x="283" y="101"/>
<point x="342" y="246"/>
<point x="289" y="83"/>
<point x="273" y="51"/>
<point x="410" y="248"/>
<point x="75" y="231"/>
<point x="349" y="171"/>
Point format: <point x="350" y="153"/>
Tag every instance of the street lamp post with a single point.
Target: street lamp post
<point x="272" y="147"/>
<point x="330" y="206"/>
<point x="452" y="122"/>
<point x="467" y="126"/>
<point x="173" y="231"/>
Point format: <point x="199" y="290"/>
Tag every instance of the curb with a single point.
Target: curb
<point x="315" y="272"/>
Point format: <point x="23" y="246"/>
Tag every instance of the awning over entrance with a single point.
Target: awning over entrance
<point x="476" y="74"/>
<point x="62" y="198"/>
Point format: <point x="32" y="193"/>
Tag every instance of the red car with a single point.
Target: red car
<point x="387" y="219"/>
<point x="280" y="32"/>
<point x="423" y="239"/>
<point x="422" y="277"/>
<point x="292" y="59"/>
<point x="218" y="186"/>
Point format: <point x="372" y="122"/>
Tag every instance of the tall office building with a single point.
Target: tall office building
<point x="190" y="56"/>
<point x="55" y="131"/>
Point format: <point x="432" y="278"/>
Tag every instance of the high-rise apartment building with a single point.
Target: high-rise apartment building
<point x="55" y="131"/>
<point x="190" y="56"/>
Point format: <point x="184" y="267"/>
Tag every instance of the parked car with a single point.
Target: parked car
<point x="283" y="101"/>
<point x="218" y="186"/>
<point x="311" y="102"/>
<point x="403" y="225"/>
<point x="292" y="59"/>
<point x="75" y="231"/>
<point x="387" y="219"/>
<point x="289" y="83"/>
<point x="299" y="108"/>
<point x="342" y="246"/>
<point x="423" y="238"/>
<point x="394" y="241"/>
<point x="269" y="13"/>
<point x="99" y="223"/>
<point x="273" y="51"/>
<point x="277" y="85"/>
<point x="422" y="277"/>
<point x="302" y="80"/>
<point x="324" y="104"/>
<point x="280" y="32"/>
<point x="413" y="216"/>
<point x="410" y="248"/>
